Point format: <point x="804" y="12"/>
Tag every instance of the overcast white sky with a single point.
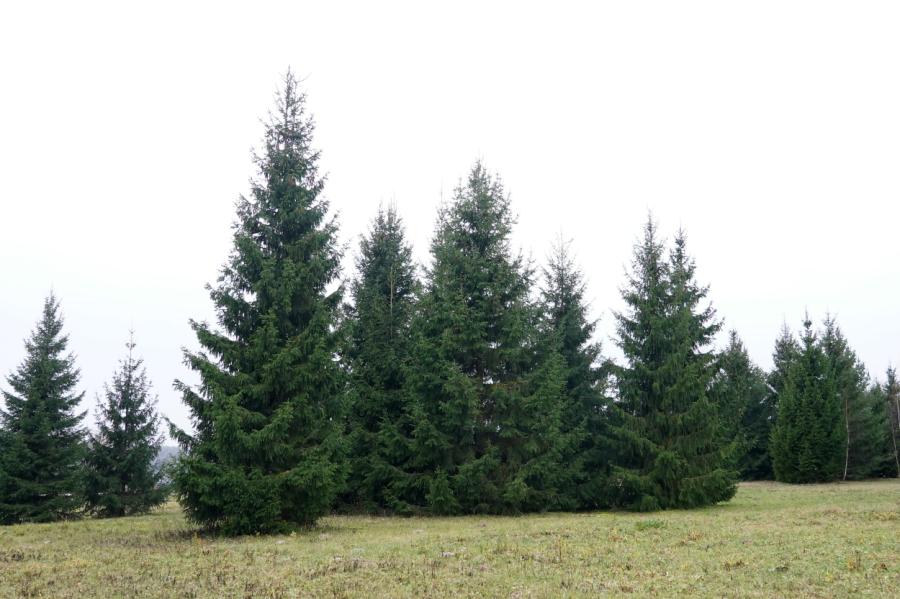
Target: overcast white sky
<point x="769" y="130"/>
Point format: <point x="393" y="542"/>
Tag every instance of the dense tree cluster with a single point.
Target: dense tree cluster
<point x="474" y="384"/>
<point x="831" y="422"/>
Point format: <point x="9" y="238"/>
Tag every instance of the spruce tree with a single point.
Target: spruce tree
<point x="783" y="357"/>
<point x="863" y="416"/>
<point x="485" y="412"/>
<point x="891" y="393"/>
<point x="42" y="439"/>
<point x="122" y="478"/>
<point x="667" y="435"/>
<point x="384" y="294"/>
<point x="266" y="453"/>
<point x="742" y="398"/>
<point x="883" y="462"/>
<point x="807" y="442"/>
<point x="583" y="416"/>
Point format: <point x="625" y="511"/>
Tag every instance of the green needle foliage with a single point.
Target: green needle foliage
<point x="891" y="395"/>
<point x="42" y="442"/>
<point x="384" y="294"/>
<point x="808" y="439"/>
<point x="122" y="478"/>
<point x="485" y="410"/>
<point x="267" y="454"/>
<point x="863" y="415"/>
<point x="670" y="451"/>
<point x="570" y="330"/>
<point x="747" y="414"/>
<point x="883" y="460"/>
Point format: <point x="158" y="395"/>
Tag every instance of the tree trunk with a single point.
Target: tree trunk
<point x="893" y="433"/>
<point x="847" y="428"/>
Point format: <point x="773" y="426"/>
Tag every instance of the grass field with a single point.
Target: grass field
<point x="772" y="540"/>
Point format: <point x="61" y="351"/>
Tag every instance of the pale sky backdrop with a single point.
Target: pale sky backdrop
<point x="769" y="130"/>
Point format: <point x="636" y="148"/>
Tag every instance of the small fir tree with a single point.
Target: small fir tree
<point x="267" y="452"/>
<point x="122" y="478"/>
<point x="42" y="440"/>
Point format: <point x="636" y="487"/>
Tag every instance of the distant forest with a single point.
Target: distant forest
<point x="472" y="385"/>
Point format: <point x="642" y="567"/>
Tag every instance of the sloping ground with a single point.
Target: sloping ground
<point x="772" y="540"/>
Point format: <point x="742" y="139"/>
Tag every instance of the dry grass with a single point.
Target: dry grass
<point x="772" y="540"/>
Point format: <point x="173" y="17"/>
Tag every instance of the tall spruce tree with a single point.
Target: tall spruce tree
<point x="42" y="439"/>
<point x="863" y="414"/>
<point x="807" y="442"/>
<point x="267" y="451"/>
<point x="486" y="414"/>
<point x="667" y="434"/>
<point x="570" y="330"/>
<point x="122" y="478"/>
<point x="747" y="415"/>
<point x="384" y="294"/>
<point x="783" y="357"/>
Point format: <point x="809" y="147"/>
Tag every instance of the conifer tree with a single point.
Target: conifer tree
<point x="42" y="439"/>
<point x="883" y="460"/>
<point x="807" y="442"/>
<point x="786" y="353"/>
<point x="891" y="393"/>
<point x="568" y="325"/>
<point x="863" y="415"/>
<point x="267" y="453"/>
<point x="669" y="446"/>
<point x="384" y="295"/>
<point x="486" y="416"/>
<point x="783" y="357"/>
<point x="747" y="415"/>
<point x="122" y="478"/>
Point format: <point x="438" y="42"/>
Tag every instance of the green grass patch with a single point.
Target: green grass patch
<point x="840" y="540"/>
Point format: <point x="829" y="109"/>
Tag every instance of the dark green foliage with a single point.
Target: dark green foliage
<point x="667" y="435"/>
<point x="885" y="402"/>
<point x="883" y="461"/>
<point x="485" y="409"/>
<point x="122" y="478"/>
<point x="378" y="354"/>
<point x="267" y="452"/>
<point x="891" y="397"/>
<point x="863" y="415"/>
<point x="570" y="331"/>
<point x="746" y="410"/>
<point x="807" y="442"/>
<point x="42" y="443"/>
<point x="785" y="354"/>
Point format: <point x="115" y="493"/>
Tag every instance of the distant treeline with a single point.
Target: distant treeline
<point x="472" y="385"/>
